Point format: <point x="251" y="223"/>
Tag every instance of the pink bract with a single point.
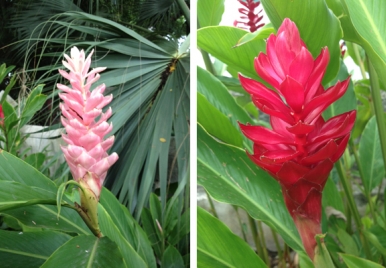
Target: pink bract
<point x="86" y="152"/>
<point x="301" y="148"/>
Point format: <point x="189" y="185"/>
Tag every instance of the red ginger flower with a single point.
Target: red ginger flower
<point x="300" y="150"/>
<point x="251" y="16"/>
<point x="1" y="115"/>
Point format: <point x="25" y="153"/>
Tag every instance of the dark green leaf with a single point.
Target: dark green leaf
<point x="172" y="258"/>
<point x="87" y="251"/>
<point x="370" y="156"/>
<point x="31" y="249"/>
<point x="217" y="246"/>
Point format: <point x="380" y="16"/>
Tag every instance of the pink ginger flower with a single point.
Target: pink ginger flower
<point x="86" y="152"/>
<point x="251" y="18"/>
<point x="301" y="148"/>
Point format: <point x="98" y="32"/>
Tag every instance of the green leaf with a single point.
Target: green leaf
<point x="15" y="169"/>
<point x="36" y="160"/>
<point x="45" y="216"/>
<point x="217" y="246"/>
<point x="19" y="195"/>
<point x="86" y="251"/>
<point x="262" y="33"/>
<point x="347" y="102"/>
<point x="116" y="223"/>
<point x="370" y="156"/>
<point x="209" y="13"/>
<point x="172" y="258"/>
<point x="356" y="262"/>
<point x="230" y="176"/>
<point x="28" y="249"/>
<point x="216" y="123"/>
<point x="217" y="94"/>
<point x="347" y="242"/>
<point x="35" y="102"/>
<point x="220" y="41"/>
<point x="316" y="33"/>
<point x="368" y="17"/>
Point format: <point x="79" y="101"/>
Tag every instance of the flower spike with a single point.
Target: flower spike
<point x="300" y="150"/>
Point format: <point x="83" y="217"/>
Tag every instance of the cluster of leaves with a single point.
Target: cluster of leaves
<point x="229" y="176"/>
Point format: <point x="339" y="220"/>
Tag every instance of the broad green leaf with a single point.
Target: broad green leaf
<point x="86" y="251"/>
<point x="230" y="176"/>
<point x="117" y="224"/>
<point x="209" y="13"/>
<point x="218" y="95"/>
<point x="356" y="262"/>
<point x="347" y="102"/>
<point x="127" y="225"/>
<point x="28" y="249"/>
<point x="316" y="33"/>
<point x="368" y="20"/>
<point x="220" y="41"/>
<point x="16" y="195"/>
<point x="172" y="258"/>
<point x="217" y="246"/>
<point x="45" y="216"/>
<point x="370" y="156"/>
<point x="15" y="169"/>
<point x="216" y="123"/>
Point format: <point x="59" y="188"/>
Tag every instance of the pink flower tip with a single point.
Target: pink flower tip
<point x="86" y="152"/>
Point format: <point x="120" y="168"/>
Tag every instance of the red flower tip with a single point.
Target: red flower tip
<point x="1" y="115"/>
<point x="301" y="148"/>
<point x="249" y="14"/>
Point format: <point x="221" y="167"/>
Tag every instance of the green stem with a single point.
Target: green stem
<point x="378" y="108"/>
<point x="185" y="10"/>
<point x="351" y="202"/>
<point x="358" y="56"/>
<point x="262" y="239"/>
<point x="211" y="204"/>
<point x="277" y="244"/>
<point x="208" y="63"/>
<point x="240" y="223"/>
<point x="255" y="235"/>
<point x="367" y="191"/>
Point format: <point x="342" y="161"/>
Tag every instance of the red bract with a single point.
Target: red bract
<point x="252" y="18"/>
<point x="300" y="150"/>
<point x="1" y="115"/>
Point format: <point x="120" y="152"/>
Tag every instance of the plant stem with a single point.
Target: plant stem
<point x="212" y="208"/>
<point x="351" y="202"/>
<point x="276" y="240"/>
<point x="358" y="56"/>
<point x="208" y="63"/>
<point x="185" y="10"/>
<point x="240" y="223"/>
<point x="361" y="174"/>
<point x="378" y="108"/>
<point x="262" y="240"/>
<point x="255" y="235"/>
